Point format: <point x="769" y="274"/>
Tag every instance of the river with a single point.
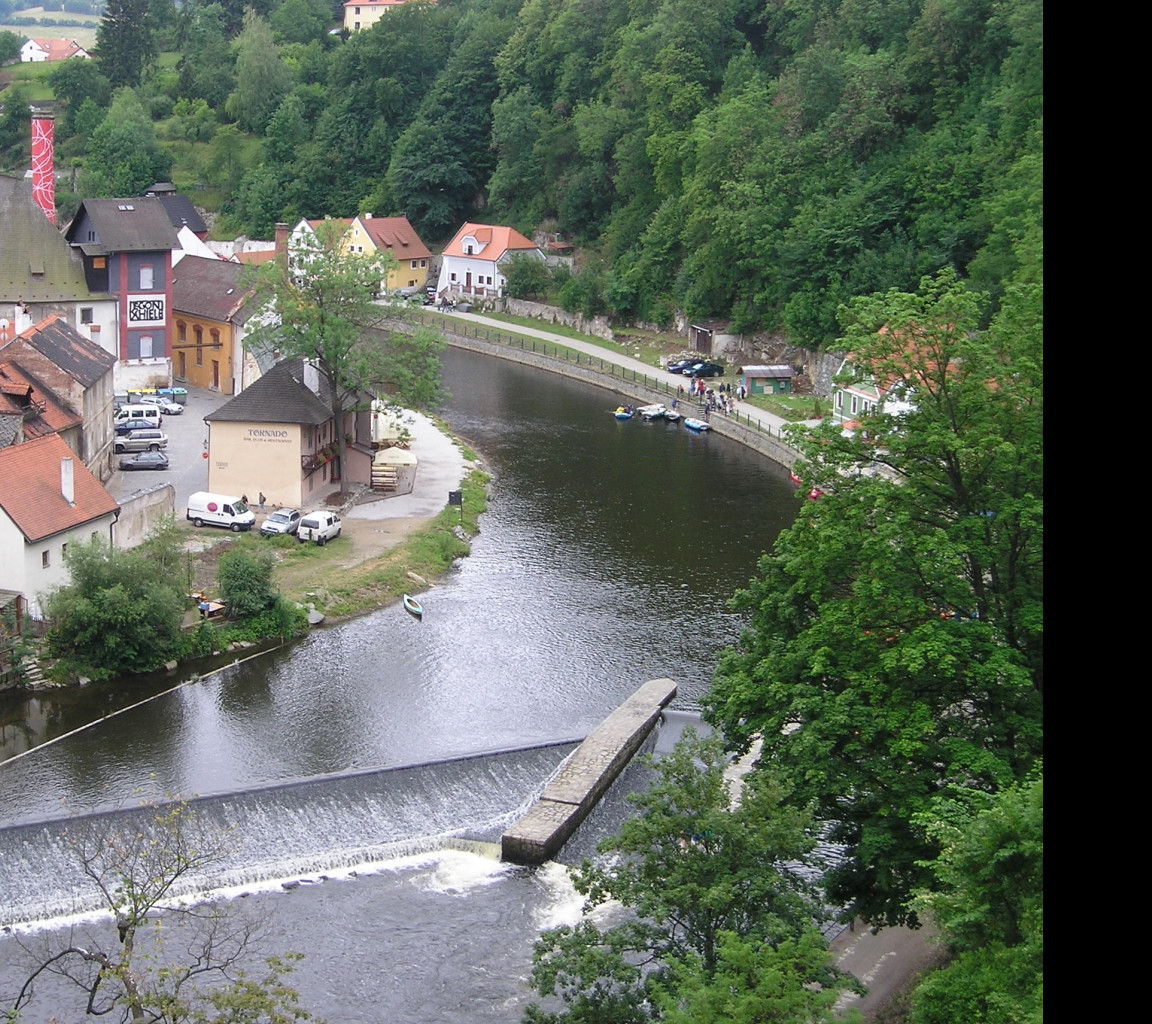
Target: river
<point x="605" y="559"/>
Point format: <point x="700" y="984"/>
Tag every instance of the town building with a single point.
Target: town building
<point x="471" y="262"/>
<point x="48" y="500"/>
<point x="72" y="379"/>
<point x="37" y="51"/>
<point x="394" y="237"/>
<point x="126" y="246"/>
<point x="360" y="15"/>
<point x="279" y="437"/>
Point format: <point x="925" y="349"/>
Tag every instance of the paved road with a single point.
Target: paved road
<point x="187" y="436"/>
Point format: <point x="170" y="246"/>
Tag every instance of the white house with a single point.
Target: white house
<point x="472" y="260"/>
<point x="36" y="51"/>
<point x="48" y="500"/>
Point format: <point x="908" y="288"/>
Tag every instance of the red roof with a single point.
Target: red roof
<point x="30" y="489"/>
<point x="495" y="239"/>
<point x="60" y="49"/>
<point x="20" y="391"/>
<point x="397" y="234"/>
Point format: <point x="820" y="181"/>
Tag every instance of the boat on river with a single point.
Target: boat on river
<point x="413" y="607"/>
<point x="653" y="412"/>
<point x="672" y="416"/>
<point x="697" y="425"/>
<point x="624" y="412"/>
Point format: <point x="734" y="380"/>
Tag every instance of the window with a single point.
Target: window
<point x="452" y="277"/>
<point x="414" y="263"/>
<point x="45" y="560"/>
<point x="423" y="263"/>
<point x="839" y="401"/>
<point x="855" y="402"/>
<point x="198" y="333"/>
<point x="63" y="550"/>
<point x="468" y="250"/>
<point x="181" y="331"/>
<point x="215" y="337"/>
<point x="146" y="346"/>
<point x="86" y="314"/>
<point x="146" y="278"/>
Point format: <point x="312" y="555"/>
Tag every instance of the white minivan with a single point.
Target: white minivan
<point x="219" y="510"/>
<point x="318" y="526"/>
<point x="151" y="413"/>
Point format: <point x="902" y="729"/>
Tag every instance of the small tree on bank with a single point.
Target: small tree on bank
<point x="325" y="311"/>
<point x="127" y="966"/>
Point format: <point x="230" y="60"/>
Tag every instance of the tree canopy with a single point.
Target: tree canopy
<point x="896" y="636"/>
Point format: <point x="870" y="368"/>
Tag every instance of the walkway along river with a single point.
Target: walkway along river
<point x="605" y="559"/>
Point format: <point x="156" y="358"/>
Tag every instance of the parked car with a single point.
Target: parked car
<point x="680" y="365"/>
<point x="704" y="370"/>
<point x="205" y="507"/>
<point x="125" y="427"/>
<point x="319" y="526"/>
<point x="144" y="460"/>
<point x="284" y="520"/>
<point x="142" y="441"/>
<point x="168" y="406"/>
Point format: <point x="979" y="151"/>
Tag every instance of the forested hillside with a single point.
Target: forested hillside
<point x="764" y="161"/>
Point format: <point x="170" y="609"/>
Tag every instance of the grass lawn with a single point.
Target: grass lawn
<point x="792" y="408"/>
<point x="84" y="34"/>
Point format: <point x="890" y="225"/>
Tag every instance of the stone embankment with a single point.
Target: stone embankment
<point x="580" y="784"/>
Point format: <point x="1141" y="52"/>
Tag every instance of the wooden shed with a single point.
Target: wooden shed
<point x="768" y="380"/>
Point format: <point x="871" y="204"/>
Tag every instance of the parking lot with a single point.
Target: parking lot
<point x="187" y="437"/>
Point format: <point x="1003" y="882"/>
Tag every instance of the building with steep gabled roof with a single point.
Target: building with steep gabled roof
<point x="48" y="500"/>
<point x="278" y="437"/>
<point x="79" y="375"/>
<point x="36" y="51"/>
<point x="394" y="237"/>
<point x="42" y="275"/>
<point x="126" y="245"/>
<point x="471" y="262"/>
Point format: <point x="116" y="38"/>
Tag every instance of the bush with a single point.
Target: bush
<point x="245" y="582"/>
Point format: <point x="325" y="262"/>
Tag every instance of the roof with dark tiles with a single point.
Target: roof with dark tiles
<point x="181" y="210"/>
<point x="209" y="288"/>
<point x="126" y="225"/>
<point x="31" y="494"/>
<point x="280" y="396"/>
<point x="82" y="360"/>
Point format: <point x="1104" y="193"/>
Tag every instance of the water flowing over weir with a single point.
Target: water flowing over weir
<point x="294" y="829"/>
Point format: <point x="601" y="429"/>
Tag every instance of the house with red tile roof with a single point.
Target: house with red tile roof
<point x="36" y="51"/>
<point x="396" y="238"/>
<point x="78" y="375"/>
<point x="470" y="265"/>
<point x="48" y="500"/>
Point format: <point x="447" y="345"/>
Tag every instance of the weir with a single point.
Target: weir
<point x="586" y="776"/>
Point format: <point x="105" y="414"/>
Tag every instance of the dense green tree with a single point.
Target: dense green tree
<point x="301" y="21"/>
<point x="124" y="43"/>
<point x="325" y="312"/>
<point x="262" y="79"/>
<point x="73" y="82"/>
<point x="698" y="874"/>
<point x="988" y="902"/>
<point x="207" y="69"/>
<point x="527" y="277"/>
<point x="896" y="638"/>
<point x="10" y="44"/>
<point x="118" y="614"/>
<point x="124" y="155"/>
<point x="245" y="582"/>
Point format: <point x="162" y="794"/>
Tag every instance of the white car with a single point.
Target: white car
<point x="318" y="526"/>
<point x="167" y="406"/>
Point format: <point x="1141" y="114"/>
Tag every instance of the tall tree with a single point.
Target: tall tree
<point x="325" y="312"/>
<point x="896" y="639"/>
<point x="124" y="155"/>
<point x="262" y="78"/>
<point x="124" y="43"/>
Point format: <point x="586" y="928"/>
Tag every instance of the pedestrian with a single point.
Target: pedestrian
<point x="262" y="500"/>
<point x="244" y="498"/>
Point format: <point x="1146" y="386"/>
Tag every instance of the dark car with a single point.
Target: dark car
<point x="145" y="460"/>
<point x="127" y="426"/>
<point x="704" y="370"/>
<point x="680" y="365"/>
<point x="284" y="520"/>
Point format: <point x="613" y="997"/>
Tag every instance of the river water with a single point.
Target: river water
<point x="605" y="559"/>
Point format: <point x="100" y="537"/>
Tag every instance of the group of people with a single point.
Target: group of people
<point x="710" y="399"/>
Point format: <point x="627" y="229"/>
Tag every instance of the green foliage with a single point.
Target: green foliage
<point x="244" y="579"/>
<point x="262" y="79"/>
<point x="121" y="612"/>
<point x="124" y="155"/>
<point x="124" y="43"/>
<point x="699" y="876"/>
<point x="896" y="638"/>
<point x="527" y="278"/>
<point x="989" y="904"/>
<point x="10" y="44"/>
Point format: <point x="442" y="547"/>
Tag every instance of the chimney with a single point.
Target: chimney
<point x="43" y="163"/>
<point x="311" y="377"/>
<point x="68" y="481"/>
<point x="281" y="239"/>
<point x="367" y="216"/>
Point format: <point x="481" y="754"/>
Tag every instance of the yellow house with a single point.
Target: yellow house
<point x="395" y="237"/>
<point x="363" y="14"/>
<point x="210" y="310"/>
<point x="278" y="438"/>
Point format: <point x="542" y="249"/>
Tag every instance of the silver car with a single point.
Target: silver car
<point x="284" y="520"/>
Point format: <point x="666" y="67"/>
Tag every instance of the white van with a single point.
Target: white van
<point x="151" y="413"/>
<point x="318" y="526"/>
<point x="219" y="510"/>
